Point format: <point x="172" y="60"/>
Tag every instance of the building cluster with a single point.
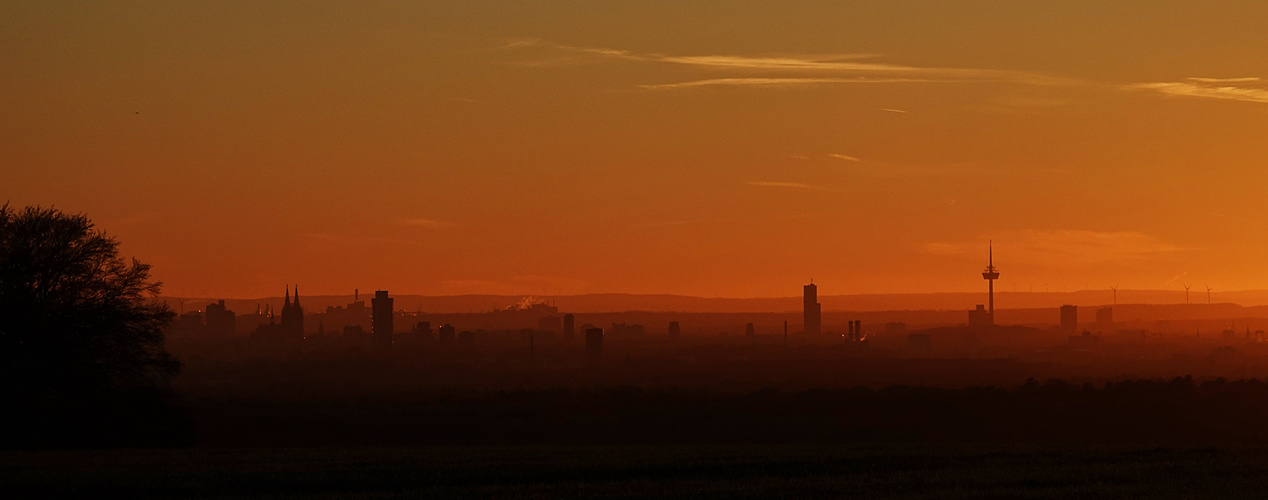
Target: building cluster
<point x="291" y="326"/>
<point x="215" y="321"/>
<point x="375" y="324"/>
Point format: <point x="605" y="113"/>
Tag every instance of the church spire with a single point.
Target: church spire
<point x="287" y="304"/>
<point x="296" y="295"/>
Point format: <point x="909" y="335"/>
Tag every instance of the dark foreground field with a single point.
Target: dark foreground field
<point x="622" y="472"/>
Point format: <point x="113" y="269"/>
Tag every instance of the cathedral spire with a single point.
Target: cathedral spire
<point x="287" y="304"/>
<point x="297" y="295"/>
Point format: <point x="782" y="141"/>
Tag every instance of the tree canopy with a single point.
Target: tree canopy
<point x="78" y="322"/>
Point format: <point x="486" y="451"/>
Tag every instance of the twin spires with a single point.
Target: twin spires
<point x="292" y="315"/>
<point x="287" y="300"/>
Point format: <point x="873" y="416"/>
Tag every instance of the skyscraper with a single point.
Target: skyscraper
<point x="811" y="309"/>
<point x="1105" y="317"/>
<point x="381" y="320"/>
<point x="569" y="327"/>
<point x="1069" y="319"/>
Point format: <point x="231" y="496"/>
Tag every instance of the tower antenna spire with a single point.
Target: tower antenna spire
<point x="990" y="274"/>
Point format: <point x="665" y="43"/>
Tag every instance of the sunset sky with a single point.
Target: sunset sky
<point x="706" y="148"/>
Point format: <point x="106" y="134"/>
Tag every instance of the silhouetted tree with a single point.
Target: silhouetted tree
<point x="81" y="336"/>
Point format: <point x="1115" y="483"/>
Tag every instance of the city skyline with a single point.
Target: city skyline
<point x="718" y="248"/>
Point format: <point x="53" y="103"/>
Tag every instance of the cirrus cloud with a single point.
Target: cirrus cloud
<point x="1209" y="88"/>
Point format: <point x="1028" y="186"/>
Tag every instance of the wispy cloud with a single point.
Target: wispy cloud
<point x="825" y="62"/>
<point x="1248" y="79"/>
<point x="892" y="110"/>
<point x="774" y="82"/>
<point x="1017" y="103"/>
<point x="844" y="68"/>
<point x="795" y="62"/>
<point x="426" y="223"/>
<point x="1066" y="247"/>
<point x="840" y="156"/>
<point x="1209" y="88"/>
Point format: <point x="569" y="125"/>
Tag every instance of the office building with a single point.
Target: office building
<point x="381" y="320"/>
<point x="811" y="310"/>
<point x="1069" y="319"/>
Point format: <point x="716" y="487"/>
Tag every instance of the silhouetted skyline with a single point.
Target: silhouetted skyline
<point x="654" y="248"/>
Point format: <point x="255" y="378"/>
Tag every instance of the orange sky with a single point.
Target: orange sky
<point x="729" y="148"/>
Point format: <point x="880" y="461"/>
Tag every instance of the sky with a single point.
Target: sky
<point x="733" y="149"/>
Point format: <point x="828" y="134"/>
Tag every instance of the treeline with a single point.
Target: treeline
<point x="1177" y="411"/>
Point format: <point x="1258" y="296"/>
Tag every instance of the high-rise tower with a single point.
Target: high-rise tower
<point x="811" y="310"/>
<point x="990" y="275"/>
<point x="381" y="323"/>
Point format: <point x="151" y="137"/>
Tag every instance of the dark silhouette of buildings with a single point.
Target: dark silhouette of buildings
<point x="190" y="323"/>
<point x="1105" y="318"/>
<point x="920" y="343"/>
<point x="446" y="335"/>
<point x="1086" y="341"/>
<point x="811" y="310"/>
<point x="749" y="330"/>
<point x="979" y="318"/>
<point x="570" y="327"/>
<point x="855" y="331"/>
<point x="355" y="313"/>
<point x="594" y="342"/>
<point x="674" y="329"/>
<point x="291" y="329"/>
<point x="1069" y="319"/>
<point x="550" y="323"/>
<point x="622" y="330"/>
<point x="382" y="320"/>
<point x="292" y="316"/>
<point x="353" y="332"/>
<point x="421" y="332"/>
<point x="221" y="322"/>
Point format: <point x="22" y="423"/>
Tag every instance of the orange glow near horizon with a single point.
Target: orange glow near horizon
<point x="731" y="149"/>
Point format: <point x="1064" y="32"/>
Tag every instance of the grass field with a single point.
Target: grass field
<point x="622" y="472"/>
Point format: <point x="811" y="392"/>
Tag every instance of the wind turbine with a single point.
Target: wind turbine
<point x="1208" y="294"/>
<point x="1115" y="290"/>
<point x="1186" y="294"/>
